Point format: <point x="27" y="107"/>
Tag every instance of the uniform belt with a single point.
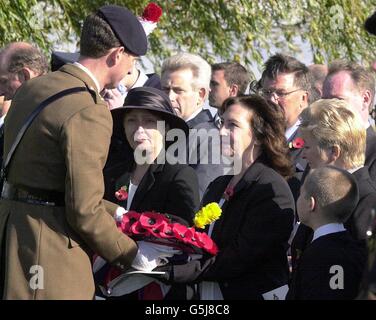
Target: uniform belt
<point x="32" y="195"/>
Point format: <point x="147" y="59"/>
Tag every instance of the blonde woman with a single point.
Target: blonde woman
<point x="334" y="135"/>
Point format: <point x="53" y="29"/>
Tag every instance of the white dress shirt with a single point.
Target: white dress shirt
<point x="290" y="131"/>
<point x="2" y="120"/>
<point x="194" y="114"/>
<point x="131" y="192"/>
<point x="89" y="73"/>
<point x="328" y="229"/>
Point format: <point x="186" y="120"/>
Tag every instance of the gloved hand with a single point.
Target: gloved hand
<point x="151" y="255"/>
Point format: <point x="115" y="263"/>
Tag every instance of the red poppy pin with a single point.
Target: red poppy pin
<point x="229" y="192"/>
<point x="297" y="143"/>
<point x="122" y="194"/>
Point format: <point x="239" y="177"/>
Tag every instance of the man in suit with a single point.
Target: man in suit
<point x="351" y="82"/>
<point x="228" y="79"/>
<point x="186" y="79"/>
<point x="288" y="83"/>
<point x="370" y="26"/>
<point x="19" y="62"/>
<point x="52" y="215"/>
<point x="331" y="267"/>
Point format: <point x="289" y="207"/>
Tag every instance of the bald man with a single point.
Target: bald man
<point x="19" y="62"/>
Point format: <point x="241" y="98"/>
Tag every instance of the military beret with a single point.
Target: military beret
<point x="370" y="24"/>
<point x="126" y="27"/>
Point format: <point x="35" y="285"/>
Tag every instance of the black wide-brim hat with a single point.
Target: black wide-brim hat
<point x="152" y="99"/>
<point x="370" y="24"/>
<point x="60" y="58"/>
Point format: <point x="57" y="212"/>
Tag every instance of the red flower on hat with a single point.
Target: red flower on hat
<point x="297" y="143"/>
<point x="122" y="194"/>
<point x="152" y="12"/>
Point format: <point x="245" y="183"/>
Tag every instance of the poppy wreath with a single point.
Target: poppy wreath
<point x="167" y="230"/>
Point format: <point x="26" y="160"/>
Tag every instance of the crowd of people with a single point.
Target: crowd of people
<point x="290" y="159"/>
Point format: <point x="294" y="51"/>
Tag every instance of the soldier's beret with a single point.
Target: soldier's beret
<point x="126" y="27"/>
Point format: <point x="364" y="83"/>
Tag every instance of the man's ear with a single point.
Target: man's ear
<point x="114" y="56"/>
<point x="366" y="99"/>
<point x="312" y="203"/>
<point x="202" y="93"/>
<point x="304" y="100"/>
<point x="24" y="74"/>
<point x="234" y="90"/>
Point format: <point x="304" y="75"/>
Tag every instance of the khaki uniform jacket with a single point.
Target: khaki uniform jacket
<point x="46" y="252"/>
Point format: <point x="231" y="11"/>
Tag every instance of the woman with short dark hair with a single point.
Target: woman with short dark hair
<point x="258" y="208"/>
<point x="160" y="186"/>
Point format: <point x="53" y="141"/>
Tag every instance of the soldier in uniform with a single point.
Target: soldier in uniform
<point x="52" y="214"/>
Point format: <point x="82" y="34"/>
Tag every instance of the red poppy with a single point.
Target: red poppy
<point x="229" y="192"/>
<point x="152" y="220"/>
<point x="152" y="12"/>
<point x="127" y="221"/>
<point x="137" y="229"/>
<point x="179" y="231"/>
<point x="121" y="194"/>
<point x="206" y="243"/>
<point x="191" y="237"/>
<point x="298" y="143"/>
<point x="167" y="232"/>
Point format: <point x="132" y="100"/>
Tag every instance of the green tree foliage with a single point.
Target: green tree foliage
<point x="241" y="30"/>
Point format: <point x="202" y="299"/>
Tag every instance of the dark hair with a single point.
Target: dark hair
<point x="268" y="126"/>
<point x="234" y="73"/>
<point x="27" y="56"/>
<point x="335" y="191"/>
<point x="280" y="63"/>
<point x="97" y="37"/>
<point x="363" y="79"/>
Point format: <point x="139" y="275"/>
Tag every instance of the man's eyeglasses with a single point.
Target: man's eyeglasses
<point x="277" y="93"/>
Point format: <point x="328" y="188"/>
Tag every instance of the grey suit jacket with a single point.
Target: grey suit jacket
<point x="204" y="131"/>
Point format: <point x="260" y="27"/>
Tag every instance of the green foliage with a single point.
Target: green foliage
<point x="239" y="30"/>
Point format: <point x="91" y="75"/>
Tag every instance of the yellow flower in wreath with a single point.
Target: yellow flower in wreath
<point x="207" y="215"/>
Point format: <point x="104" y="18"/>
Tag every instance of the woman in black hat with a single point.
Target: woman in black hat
<point x="150" y="181"/>
<point x="145" y="181"/>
